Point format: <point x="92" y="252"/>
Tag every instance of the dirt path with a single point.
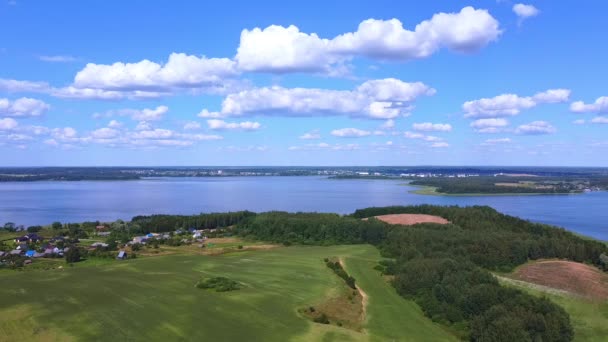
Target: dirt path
<point x="364" y="297"/>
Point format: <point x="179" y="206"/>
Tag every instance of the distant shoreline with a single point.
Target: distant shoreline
<point x="432" y="191"/>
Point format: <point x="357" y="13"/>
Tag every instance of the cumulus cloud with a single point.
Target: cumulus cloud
<point x="600" y="106"/>
<point x="524" y="11"/>
<point x="23" y="107"/>
<point x="180" y="71"/>
<point x="286" y="49"/>
<point x="145" y="114"/>
<point x="114" y="124"/>
<point x="431" y="127"/>
<point x="377" y="99"/>
<point x="8" y="124"/>
<point x="536" y="128"/>
<point x="312" y="135"/>
<point x="17" y="86"/>
<point x="217" y="124"/>
<point x="600" y="120"/>
<point x="105" y="133"/>
<point x="325" y="146"/>
<point x="492" y="125"/>
<point x="350" y="133"/>
<point x="429" y="138"/>
<point x="511" y="104"/>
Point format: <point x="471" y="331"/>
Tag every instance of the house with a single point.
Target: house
<point x="122" y="255"/>
<point x="49" y="251"/>
<point x="140" y="239"/>
<point x="22" y="246"/>
<point x="16" y="252"/>
<point x="22" y="239"/>
<point x="101" y="228"/>
<point x="38" y="255"/>
<point x="30" y="253"/>
<point x="197" y="235"/>
<point x="2" y="253"/>
<point x="33" y="237"/>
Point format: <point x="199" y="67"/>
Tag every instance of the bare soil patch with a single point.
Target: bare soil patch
<point x="411" y="219"/>
<point x="576" y="278"/>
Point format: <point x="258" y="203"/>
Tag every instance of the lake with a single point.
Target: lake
<point x="31" y="203"/>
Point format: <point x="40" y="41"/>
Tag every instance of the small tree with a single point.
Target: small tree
<point x="56" y="225"/>
<point x="72" y="255"/>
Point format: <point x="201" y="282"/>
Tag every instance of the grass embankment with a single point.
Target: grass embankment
<point x="155" y="298"/>
<point x="588" y="315"/>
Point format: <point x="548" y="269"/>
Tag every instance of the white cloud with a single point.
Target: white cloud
<point x="16" y="86"/>
<point x="600" y="106"/>
<point x="536" y="128"/>
<point x="58" y="59"/>
<point x="431" y="127"/>
<point x="8" y="124"/>
<point x="143" y="126"/>
<point x="216" y="124"/>
<point x="114" y="124"/>
<point x="250" y="148"/>
<point x="497" y="141"/>
<point x="492" y="125"/>
<point x="350" y="133"/>
<point x="511" y="104"/>
<point x="377" y="99"/>
<point x="312" y="135"/>
<point x="525" y="11"/>
<point x="600" y="120"/>
<point x="145" y="114"/>
<point x="180" y="71"/>
<point x="287" y="49"/>
<point x="440" y="145"/>
<point x="192" y="125"/>
<point x="429" y="138"/>
<point x="105" y="133"/>
<point x="388" y="124"/>
<point x="23" y="107"/>
<point x="325" y="146"/>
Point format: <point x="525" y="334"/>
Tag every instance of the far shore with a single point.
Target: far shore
<point x="432" y="191"/>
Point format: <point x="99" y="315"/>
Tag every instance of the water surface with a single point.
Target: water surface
<point x="44" y="202"/>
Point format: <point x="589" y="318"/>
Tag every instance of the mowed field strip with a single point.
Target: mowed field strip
<point x="155" y="299"/>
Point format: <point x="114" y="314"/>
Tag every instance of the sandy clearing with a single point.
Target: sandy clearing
<point x="411" y="219"/>
<point x="580" y="279"/>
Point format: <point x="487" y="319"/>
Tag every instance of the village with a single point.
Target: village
<point x="45" y="245"/>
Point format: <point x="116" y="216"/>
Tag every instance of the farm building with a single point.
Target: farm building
<point x="30" y="253"/>
<point x="122" y="255"/>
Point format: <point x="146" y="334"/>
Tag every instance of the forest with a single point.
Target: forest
<point x="446" y="268"/>
<point x="508" y="185"/>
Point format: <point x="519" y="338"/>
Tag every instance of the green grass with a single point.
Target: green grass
<point x="156" y="299"/>
<point x="589" y="318"/>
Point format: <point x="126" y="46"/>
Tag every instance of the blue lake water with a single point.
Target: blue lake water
<point x="44" y="202"/>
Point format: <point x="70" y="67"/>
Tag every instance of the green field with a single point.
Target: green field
<point x="155" y="298"/>
<point x="589" y="318"/>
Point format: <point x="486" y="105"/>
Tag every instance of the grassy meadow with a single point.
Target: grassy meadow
<point x="155" y="298"/>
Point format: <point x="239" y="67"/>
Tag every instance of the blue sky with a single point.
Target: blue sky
<point x="306" y="83"/>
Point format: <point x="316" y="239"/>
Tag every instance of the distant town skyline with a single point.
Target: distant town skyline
<point x="315" y="83"/>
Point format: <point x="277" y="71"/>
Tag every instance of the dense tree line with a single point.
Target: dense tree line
<point x="311" y="229"/>
<point x="444" y="268"/>
<point x="487" y="185"/>
<point x="341" y="272"/>
<point x="166" y="223"/>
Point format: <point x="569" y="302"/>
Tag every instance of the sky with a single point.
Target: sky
<point x="141" y="83"/>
